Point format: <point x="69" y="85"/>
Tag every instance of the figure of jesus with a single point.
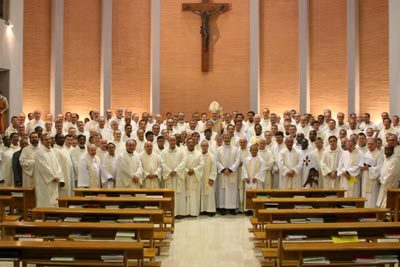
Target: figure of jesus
<point x="205" y="24"/>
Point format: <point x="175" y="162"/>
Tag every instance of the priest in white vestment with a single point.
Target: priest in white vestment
<point x="89" y="169"/>
<point x="7" y="159"/>
<point x="77" y="152"/>
<point x="253" y="170"/>
<point x="290" y="165"/>
<point x="370" y="165"/>
<point x="349" y="170"/>
<point x="208" y="201"/>
<point x="268" y="158"/>
<point x="109" y="167"/>
<point x="47" y="174"/>
<point x="329" y="165"/>
<point x="27" y="160"/>
<point x="129" y="167"/>
<point x="244" y="153"/>
<point x="228" y="160"/>
<point x="62" y="148"/>
<point x="309" y="162"/>
<point x="173" y="162"/>
<point x="193" y="177"/>
<point x="389" y="176"/>
<point x="151" y="165"/>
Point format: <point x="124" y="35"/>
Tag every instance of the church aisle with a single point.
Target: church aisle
<point x="211" y="242"/>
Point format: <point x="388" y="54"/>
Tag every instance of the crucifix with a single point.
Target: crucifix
<point x="205" y="10"/>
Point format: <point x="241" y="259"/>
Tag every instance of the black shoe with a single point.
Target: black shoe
<point x="178" y="217"/>
<point x="222" y="212"/>
<point x="249" y="212"/>
<point x="233" y="212"/>
<point x="211" y="214"/>
<point x="240" y="212"/>
<point x="203" y="213"/>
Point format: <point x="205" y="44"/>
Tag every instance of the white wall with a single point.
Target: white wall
<point x="11" y="53"/>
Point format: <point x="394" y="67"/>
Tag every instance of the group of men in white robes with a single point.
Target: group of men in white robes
<point x="210" y="163"/>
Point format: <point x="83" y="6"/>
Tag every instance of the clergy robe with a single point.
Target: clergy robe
<point x="109" y="171"/>
<point x="389" y="178"/>
<point x="46" y="169"/>
<point x="308" y="162"/>
<point x="67" y="168"/>
<point x="349" y="162"/>
<point x="317" y="155"/>
<point x="151" y="164"/>
<point x="369" y="182"/>
<point x="243" y="154"/>
<point x="27" y="162"/>
<point x="89" y="174"/>
<point x="268" y="158"/>
<point x="76" y="154"/>
<point x="17" y="168"/>
<point x="287" y="161"/>
<point x="175" y="160"/>
<point x="7" y="165"/>
<point x="128" y="166"/>
<point x="208" y="202"/>
<point x="228" y="157"/>
<point x="329" y="163"/>
<point x="253" y="168"/>
<point x="276" y="149"/>
<point x="194" y="161"/>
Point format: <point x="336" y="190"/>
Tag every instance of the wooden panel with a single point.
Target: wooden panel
<point x="82" y="46"/>
<point x="328" y="56"/>
<point x="374" y="57"/>
<point x="37" y="55"/>
<point x="183" y="86"/>
<point x="131" y="55"/>
<point x="279" y="61"/>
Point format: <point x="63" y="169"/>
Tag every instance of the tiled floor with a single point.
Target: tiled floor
<point x="209" y="242"/>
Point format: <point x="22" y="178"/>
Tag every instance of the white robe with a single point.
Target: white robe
<point x="329" y="163"/>
<point x="227" y="158"/>
<point x="109" y="174"/>
<point x="128" y="166"/>
<point x="67" y="168"/>
<point x="151" y="164"/>
<point x="244" y="153"/>
<point x="317" y="155"/>
<point x="253" y="168"/>
<point x="175" y="160"/>
<point x="89" y="174"/>
<point x="389" y="178"/>
<point x="268" y="158"/>
<point x="369" y="186"/>
<point x="76" y="154"/>
<point x="276" y="149"/>
<point x="349" y="162"/>
<point x="208" y="202"/>
<point x="287" y="161"/>
<point x="46" y="169"/>
<point x="194" y="161"/>
<point x="27" y="163"/>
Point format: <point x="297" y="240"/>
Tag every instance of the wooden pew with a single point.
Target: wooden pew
<point x="144" y="232"/>
<point x="7" y="201"/>
<point x="254" y="193"/>
<point x="322" y="232"/>
<point x="393" y="199"/>
<point x="167" y="206"/>
<point x="40" y="253"/>
<point x="340" y="254"/>
<point x="315" y="202"/>
<point x="23" y="198"/>
<point x="156" y="215"/>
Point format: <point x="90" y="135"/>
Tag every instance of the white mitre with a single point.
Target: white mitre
<point x="214" y="107"/>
